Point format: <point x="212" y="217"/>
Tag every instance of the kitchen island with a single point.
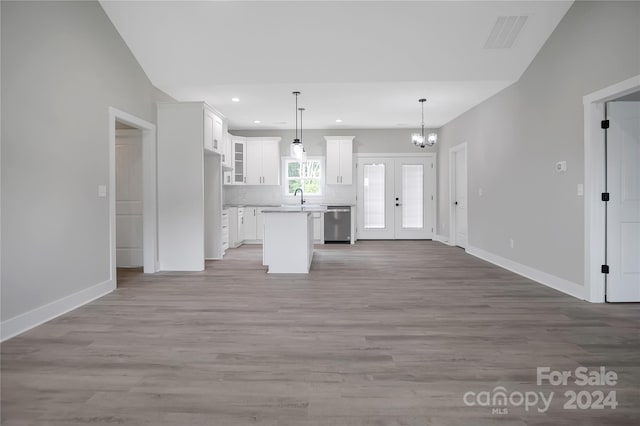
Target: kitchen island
<point x="288" y="238"/>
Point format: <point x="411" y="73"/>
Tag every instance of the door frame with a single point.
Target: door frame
<point x="594" y="208"/>
<point x="394" y="155"/>
<point x="452" y="185"/>
<point x="149" y="188"/>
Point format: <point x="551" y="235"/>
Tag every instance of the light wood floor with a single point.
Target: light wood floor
<point x="380" y="333"/>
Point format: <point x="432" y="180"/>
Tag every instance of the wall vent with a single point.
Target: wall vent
<point x="505" y="31"/>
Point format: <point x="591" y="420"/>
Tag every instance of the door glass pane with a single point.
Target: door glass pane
<point x="412" y="195"/>
<point x="374" y="180"/>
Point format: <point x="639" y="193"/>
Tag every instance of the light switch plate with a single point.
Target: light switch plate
<point x="102" y="191"/>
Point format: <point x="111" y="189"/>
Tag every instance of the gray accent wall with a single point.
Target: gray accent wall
<point x="516" y="137"/>
<point x="63" y="66"/>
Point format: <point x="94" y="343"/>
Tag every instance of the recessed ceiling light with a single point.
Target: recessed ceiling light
<point x="235" y="99"/>
<point x="338" y="120"/>
<point x="256" y="121"/>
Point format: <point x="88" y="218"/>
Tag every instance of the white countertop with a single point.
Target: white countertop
<point x="296" y="209"/>
<point x="325" y="204"/>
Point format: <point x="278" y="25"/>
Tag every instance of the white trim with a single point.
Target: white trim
<point x="452" y="182"/>
<point x="594" y="240"/>
<point x="33" y="318"/>
<point x="150" y="207"/>
<point x="442" y="238"/>
<point x="285" y="187"/>
<point x="556" y="283"/>
<point x="394" y="154"/>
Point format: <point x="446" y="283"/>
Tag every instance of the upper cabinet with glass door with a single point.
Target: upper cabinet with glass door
<point x="339" y="160"/>
<point x="238" y="159"/>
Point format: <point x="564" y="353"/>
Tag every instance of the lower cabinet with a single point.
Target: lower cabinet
<point x="246" y="225"/>
<point x="318" y="228"/>
<point x="253" y="224"/>
<point x="225" y="230"/>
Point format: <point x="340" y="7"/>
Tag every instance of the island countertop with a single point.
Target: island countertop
<point x="295" y="209"/>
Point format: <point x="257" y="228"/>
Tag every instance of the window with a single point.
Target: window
<point x="304" y="174"/>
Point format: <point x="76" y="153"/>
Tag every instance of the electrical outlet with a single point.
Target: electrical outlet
<point x="511" y="243"/>
<point x="479" y="192"/>
<point x="580" y="190"/>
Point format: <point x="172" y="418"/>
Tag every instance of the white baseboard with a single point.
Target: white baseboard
<point x="442" y="238"/>
<point x="557" y="283"/>
<point x="23" y="322"/>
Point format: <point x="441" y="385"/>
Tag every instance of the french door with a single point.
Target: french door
<point x="396" y="197"/>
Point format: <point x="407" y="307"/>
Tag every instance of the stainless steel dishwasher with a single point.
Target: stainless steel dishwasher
<point x="337" y="224"/>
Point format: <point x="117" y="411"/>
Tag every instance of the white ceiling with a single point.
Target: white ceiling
<point x="365" y="62"/>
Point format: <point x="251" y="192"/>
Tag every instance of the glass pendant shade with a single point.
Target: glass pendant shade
<point x="432" y="138"/>
<point x="417" y="139"/>
<point x="296" y="150"/>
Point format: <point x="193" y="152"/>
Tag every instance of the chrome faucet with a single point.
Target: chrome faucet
<point x="301" y="195"/>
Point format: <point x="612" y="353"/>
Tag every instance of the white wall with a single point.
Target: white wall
<point x="516" y="137"/>
<point x="63" y="65"/>
<point x="365" y="141"/>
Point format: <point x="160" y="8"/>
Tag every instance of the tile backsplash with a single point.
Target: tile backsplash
<point x="248" y="194"/>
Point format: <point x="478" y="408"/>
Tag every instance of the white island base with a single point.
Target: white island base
<point x="288" y="240"/>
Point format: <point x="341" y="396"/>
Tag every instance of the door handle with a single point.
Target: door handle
<point x="456" y="203"/>
<point x="398" y="204"/>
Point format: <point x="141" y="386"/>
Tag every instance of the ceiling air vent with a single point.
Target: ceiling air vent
<point x="505" y="31"/>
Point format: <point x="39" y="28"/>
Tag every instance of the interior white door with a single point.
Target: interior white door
<point x="623" y="208"/>
<point x="129" y="199"/>
<point x="376" y="198"/>
<point x="414" y="198"/>
<point x="460" y="197"/>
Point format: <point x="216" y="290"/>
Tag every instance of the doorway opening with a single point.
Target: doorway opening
<point x="605" y="250"/>
<point x="458" y="210"/>
<point x="396" y="196"/>
<point x="132" y="194"/>
<point x="129" y="197"/>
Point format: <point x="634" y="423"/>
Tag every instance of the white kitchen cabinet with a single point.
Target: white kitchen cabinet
<point x="238" y="174"/>
<point x="318" y="228"/>
<point x="227" y="152"/>
<point x="263" y="161"/>
<point x="225" y="231"/>
<point x="213" y="126"/>
<point x="339" y="170"/>
<point x="253" y="224"/>
<point x="236" y="226"/>
<point x="240" y="230"/>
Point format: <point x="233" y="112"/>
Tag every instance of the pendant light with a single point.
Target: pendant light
<point x="419" y="139"/>
<point x="296" y="145"/>
<point x="303" y="155"/>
